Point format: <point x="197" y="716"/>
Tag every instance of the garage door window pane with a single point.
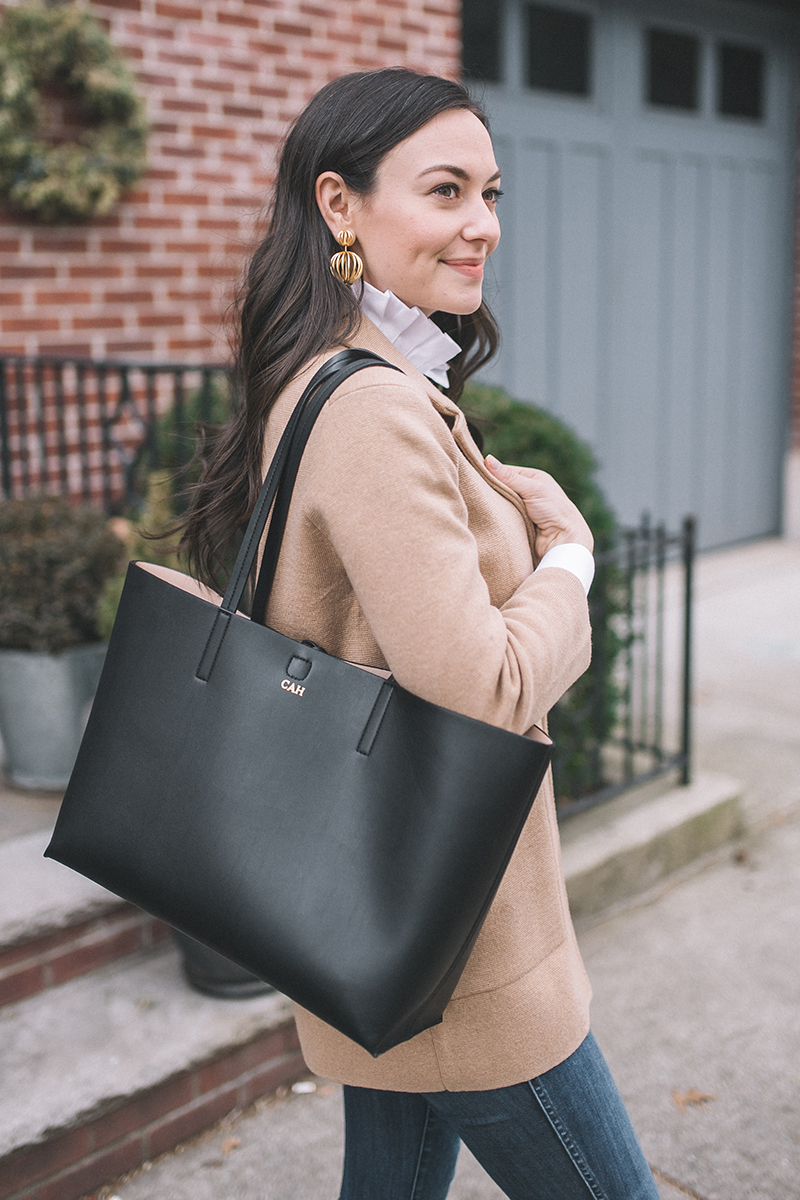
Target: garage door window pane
<point x="480" y="32"/>
<point x="740" y="81"/>
<point x="559" y="50"/>
<point x="673" y="69"/>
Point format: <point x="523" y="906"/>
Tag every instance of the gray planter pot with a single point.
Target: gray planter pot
<point x="214" y="975"/>
<point x="43" y="702"/>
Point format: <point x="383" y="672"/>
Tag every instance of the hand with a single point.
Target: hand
<point x="553" y="514"/>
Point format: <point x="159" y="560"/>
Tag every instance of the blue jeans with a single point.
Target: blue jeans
<point x="562" y="1136"/>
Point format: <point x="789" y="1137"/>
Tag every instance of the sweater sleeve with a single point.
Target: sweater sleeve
<point x="383" y="477"/>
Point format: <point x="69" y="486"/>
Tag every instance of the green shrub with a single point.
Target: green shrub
<point x="585" y="716"/>
<point x="163" y="472"/>
<point x="156" y="514"/>
<point x="529" y="437"/>
<point x="172" y="442"/>
<point x="176" y="436"/>
<point x="55" y="559"/>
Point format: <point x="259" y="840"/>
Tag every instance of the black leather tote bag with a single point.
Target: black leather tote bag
<point x="310" y="820"/>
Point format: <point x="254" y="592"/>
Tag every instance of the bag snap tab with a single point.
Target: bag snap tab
<point x="298" y="667"/>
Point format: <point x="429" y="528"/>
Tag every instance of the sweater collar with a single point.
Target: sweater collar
<point x="418" y="339"/>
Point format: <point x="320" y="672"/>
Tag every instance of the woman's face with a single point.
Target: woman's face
<point x="428" y="226"/>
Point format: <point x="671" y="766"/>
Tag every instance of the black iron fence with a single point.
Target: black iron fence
<point x="91" y="430"/>
<point x="628" y="719"/>
<point x="94" y="430"/>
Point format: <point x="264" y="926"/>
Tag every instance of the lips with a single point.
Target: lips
<point x="471" y="268"/>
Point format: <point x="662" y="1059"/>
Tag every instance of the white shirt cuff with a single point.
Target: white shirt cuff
<point x="572" y="557"/>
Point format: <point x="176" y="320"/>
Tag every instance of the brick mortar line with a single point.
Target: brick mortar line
<point x="51" y="980"/>
<point x="108" y="911"/>
<point x="88" y="937"/>
<point x="284" y="1057"/>
<point x="48" y="961"/>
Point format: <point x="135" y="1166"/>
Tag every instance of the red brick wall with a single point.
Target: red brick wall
<point x="221" y="81"/>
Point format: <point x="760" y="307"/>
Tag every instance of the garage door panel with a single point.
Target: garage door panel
<point x="680" y="425"/>
<point x="757" y="440"/>
<point x="722" y="386"/>
<point x="537" y="253"/>
<point x="585" y="284"/>
<point x="633" y="455"/>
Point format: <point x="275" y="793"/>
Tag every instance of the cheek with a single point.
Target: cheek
<point x="415" y="245"/>
<point x="398" y="237"/>
<point x="429" y="240"/>
<point x="391" y="234"/>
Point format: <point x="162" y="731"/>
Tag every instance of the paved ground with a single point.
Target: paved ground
<point x="747" y="671"/>
<point x="697" y="988"/>
<point x="290" y="1149"/>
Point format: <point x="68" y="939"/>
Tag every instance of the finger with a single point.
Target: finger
<point x="506" y="471"/>
<point x="511" y="476"/>
<point x="497" y="468"/>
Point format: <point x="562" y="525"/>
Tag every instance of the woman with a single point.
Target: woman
<point x="467" y="579"/>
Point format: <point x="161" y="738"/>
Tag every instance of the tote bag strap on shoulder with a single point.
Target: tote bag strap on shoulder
<point x="276" y="494"/>
<point x="287" y="456"/>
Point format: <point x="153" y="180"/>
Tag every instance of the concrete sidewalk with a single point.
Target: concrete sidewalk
<point x="697" y="987"/>
<point x="747" y="672"/>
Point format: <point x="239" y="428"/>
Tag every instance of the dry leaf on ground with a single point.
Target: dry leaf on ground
<point x="693" y="1096"/>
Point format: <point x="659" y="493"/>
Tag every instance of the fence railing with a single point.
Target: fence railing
<point x="93" y="430"/>
<point x="628" y="719"/>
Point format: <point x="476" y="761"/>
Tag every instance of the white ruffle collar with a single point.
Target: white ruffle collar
<point x="410" y="332"/>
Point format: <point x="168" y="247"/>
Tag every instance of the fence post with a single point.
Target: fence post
<point x="688" y="540"/>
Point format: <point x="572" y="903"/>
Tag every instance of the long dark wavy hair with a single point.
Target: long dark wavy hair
<point x="290" y="307"/>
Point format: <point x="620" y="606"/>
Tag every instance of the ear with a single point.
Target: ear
<point x="335" y="201"/>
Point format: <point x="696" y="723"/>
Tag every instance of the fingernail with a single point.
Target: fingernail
<point x="491" y="461"/>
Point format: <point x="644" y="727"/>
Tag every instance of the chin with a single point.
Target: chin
<point x="462" y="307"/>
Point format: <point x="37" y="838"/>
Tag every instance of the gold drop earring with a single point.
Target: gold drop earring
<point x="346" y="264"/>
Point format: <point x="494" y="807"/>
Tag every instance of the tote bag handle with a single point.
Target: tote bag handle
<point x="288" y="454"/>
<point x="335" y="371"/>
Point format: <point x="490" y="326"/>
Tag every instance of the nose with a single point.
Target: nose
<point x="481" y="224"/>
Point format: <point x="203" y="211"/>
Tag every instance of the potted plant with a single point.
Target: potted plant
<point x="55" y="559"/>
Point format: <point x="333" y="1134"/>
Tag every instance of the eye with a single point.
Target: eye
<point x="492" y="195"/>
<point x="449" y="190"/>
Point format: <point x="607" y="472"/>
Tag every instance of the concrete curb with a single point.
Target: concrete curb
<point x="636" y="847"/>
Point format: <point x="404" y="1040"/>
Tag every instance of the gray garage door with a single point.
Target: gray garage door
<point x="643" y="282"/>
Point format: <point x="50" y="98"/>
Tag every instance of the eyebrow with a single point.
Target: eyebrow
<point x="459" y="172"/>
